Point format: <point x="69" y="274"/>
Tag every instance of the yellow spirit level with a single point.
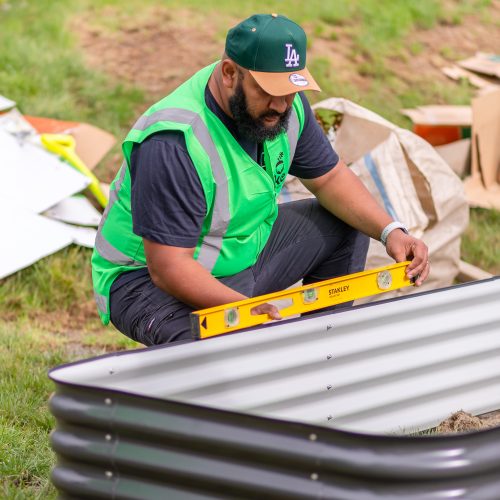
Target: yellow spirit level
<point x="237" y="315"/>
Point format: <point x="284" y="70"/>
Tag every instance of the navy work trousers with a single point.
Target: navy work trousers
<point x="306" y="243"/>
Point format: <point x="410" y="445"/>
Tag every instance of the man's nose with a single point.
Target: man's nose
<point x="278" y="104"/>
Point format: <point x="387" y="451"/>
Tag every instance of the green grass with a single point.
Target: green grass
<point x="43" y="72"/>
<point x="481" y="241"/>
<point x="52" y="284"/>
<point x="27" y="353"/>
<point x="47" y="313"/>
<point x="25" y="422"/>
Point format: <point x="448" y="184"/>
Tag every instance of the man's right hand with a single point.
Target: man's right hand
<point x="272" y="311"/>
<point x="174" y="270"/>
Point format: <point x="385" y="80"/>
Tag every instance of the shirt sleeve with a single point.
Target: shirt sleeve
<point x="314" y="155"/>
<point x="168" y="202"/>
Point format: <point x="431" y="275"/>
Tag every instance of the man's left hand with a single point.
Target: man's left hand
<point x="401" y="246"/>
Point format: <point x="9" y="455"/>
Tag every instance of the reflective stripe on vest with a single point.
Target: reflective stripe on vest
<point x="103" y="246"/>
<point x="102" y="303"/>
<point x="293" y="133"/>
<point x="212" y="242"/>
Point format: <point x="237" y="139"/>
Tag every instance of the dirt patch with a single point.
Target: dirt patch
<point x="342" y="56"/>
<point x="427" y="51"/>
<point x="160" y="49"/>
<point x="462" y="421"/>
<point x="157" y="51"/>
<point x="420" y="56"/>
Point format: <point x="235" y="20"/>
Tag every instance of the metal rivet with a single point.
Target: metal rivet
<point x="314" y="476"/>
<point x="107" y="437"/>
<point x="107" y="401"/>
<point x="328" y="387"/>
<point x="108" y="473"/>
<point x="313" y="437"/>
<point x="329" y="356"/>
<point x="329" y="417"/>
<point x="254" y="29"/>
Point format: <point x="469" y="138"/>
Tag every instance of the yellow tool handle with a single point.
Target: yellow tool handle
<point x="237" y="315"/>
<point x="64" y="146"/>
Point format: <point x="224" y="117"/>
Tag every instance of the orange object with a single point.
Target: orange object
<point x="49" y="125"/>
<point x="437" y="135"/>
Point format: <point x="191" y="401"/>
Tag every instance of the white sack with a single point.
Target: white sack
<point x="418" y="185"/>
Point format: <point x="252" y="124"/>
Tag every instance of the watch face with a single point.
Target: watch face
<point x="384" y="280"/>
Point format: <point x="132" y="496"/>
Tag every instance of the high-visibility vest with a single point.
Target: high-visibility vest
<point x="240" y="195"/>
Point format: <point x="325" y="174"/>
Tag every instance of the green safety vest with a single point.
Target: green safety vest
<point x="240" y="195"/>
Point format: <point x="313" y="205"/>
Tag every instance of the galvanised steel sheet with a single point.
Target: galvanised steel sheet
<point x="271" y="412"/>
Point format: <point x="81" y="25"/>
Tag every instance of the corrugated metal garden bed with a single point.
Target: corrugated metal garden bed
<point x="309" y="408"/>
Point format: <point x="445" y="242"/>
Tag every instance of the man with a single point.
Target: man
<point x="192" y="220"/>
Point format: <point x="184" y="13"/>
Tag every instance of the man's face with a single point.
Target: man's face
<point x="259" y="116"/>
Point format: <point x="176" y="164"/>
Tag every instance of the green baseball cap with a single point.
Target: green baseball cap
<point x="273" y="49"/>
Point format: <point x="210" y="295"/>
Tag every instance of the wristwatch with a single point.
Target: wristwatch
<point x="389" y="228"/>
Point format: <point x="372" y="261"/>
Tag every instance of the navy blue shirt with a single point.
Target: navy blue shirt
<point x="168" y="203"/>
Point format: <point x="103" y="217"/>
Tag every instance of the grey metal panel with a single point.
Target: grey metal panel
<point x="112" y="441"/>
<point x="120" y="446"/>
<point x="397" y="366"/>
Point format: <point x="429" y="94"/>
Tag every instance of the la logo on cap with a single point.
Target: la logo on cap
<point x="291" y="58"/>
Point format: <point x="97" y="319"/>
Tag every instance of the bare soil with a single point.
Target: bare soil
<point x="159" y="50"/>
<point x="156" y="52"/>
<point x="462" y="421"/>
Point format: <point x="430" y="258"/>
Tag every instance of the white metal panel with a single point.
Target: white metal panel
<point x="386" y="367"/>
<point x="34" y="178"/>
<point x="27" y="237"/>
<point x="6" y="103"/>
<point x="75" y="210"/>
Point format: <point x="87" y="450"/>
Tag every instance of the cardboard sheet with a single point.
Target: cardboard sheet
<point x="33" y="178"/>
<point x="487" y="64"/>
<point x="486" y="138"/>
<point x="440" y="115"/>
<point x="457" y="155"/>
<point x="483" y="83"/>
<point x="479" y="196"/>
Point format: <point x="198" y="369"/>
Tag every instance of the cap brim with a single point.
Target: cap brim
<point x="279" y="84"/>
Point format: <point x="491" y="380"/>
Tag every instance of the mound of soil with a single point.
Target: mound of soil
<point x="462" y="421"/>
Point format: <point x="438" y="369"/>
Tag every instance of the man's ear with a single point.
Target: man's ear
<point x="229" y="72"/>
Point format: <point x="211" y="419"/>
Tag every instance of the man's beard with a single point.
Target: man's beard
<point x="255" y="129"/>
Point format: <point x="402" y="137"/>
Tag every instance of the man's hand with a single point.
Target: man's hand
<point x="401" y="246"/>
<point x="272" y="311"/>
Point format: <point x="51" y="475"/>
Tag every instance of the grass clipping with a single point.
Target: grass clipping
<point x="462" y="421"/>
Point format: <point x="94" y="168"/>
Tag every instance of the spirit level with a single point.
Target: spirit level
<point x="237" y="315"/>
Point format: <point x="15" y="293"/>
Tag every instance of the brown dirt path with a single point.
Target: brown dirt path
<point x="161" y="48"/>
